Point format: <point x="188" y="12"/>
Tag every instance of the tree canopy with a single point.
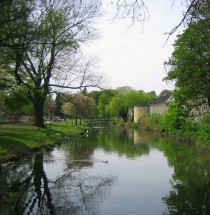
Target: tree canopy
<point x="39" y="46"/>
<point x="189" y="66"/>
<point x="122" y="102"/>
<point x="77" y="105"/>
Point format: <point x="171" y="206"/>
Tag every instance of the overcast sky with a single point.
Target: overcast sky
<point x="129" y="57"/>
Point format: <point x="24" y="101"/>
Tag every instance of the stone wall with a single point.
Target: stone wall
<point x="158" y="108"/>
<point x="140" y="112"/>
<point x="198" y="112"/>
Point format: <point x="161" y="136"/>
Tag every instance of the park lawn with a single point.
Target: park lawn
<point x="17" y="140"/>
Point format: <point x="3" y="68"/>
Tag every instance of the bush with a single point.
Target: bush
<point x="143" y="122"/>
<point x="176" y="121"/>
<point x="154" y="121"/>
<point x="203" y="134"/>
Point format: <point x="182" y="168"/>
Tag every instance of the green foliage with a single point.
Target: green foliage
<point x="173" y="118"/>
<point x="189" y="68"/>
<point x="154" y="121"/>
<point x="37" y="36"/>
<point x="189" y="65"/>
<point x="123" y="101"/>
<point x="59" y="100"/>
<point x="78" y="105"/>
<point x="203" y="134"/>
<point x="17" y="102"/>
<point x="117" y="106"/>
<point x="103" y="101"/>
<point x="174" y="122"/>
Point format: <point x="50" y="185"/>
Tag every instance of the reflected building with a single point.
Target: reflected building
<point x="139" y="137"/>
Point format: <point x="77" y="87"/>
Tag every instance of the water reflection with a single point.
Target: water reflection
<point x="27" y="190"/>
<point x="123" y="141"/>
<point x="190" y="189"/>
<point x="75" y="179"/>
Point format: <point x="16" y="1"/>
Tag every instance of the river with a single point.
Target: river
<point x="113" y="171"/>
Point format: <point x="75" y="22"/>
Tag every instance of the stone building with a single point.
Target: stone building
<point x="159" y="105"/>
<point x="140" y="111"/>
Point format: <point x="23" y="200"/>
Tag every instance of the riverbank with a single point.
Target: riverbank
<point x="193" y="132"/>
<point x="17" y="141"/>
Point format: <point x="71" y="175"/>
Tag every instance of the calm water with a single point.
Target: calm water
<point x="113" y="171"/>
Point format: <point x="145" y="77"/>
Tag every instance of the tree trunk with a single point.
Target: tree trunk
<point x="124" y="115"/>
<point x="38" y="109"/>
<point x="41" y="183"/>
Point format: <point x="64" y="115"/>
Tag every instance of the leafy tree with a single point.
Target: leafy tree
<point x="59" y="100"/>
<point x="117" y="106"/>
<point x="44" y="37"/>
<point x="122" y="102"/>
<point x="68" y="109"/>
<point x="78" y="105"/>
<point x="95" y="95"/>
<point x="17" y="102"/>
<point x="189" y="67"/>
<point x="104" y="100"/>
<point x="12" y="98"/>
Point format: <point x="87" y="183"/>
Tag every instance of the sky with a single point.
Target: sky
<point x="134" y="55"/>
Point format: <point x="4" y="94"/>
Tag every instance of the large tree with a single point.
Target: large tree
<point x="47" y="34"/>
<point x="189" y="66"/>
<point x="122" y="102"/>
<point x="103" y="101"/>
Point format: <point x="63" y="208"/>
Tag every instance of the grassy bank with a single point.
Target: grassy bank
<point x="19" y="140"/>
<point x="191" y="131"/>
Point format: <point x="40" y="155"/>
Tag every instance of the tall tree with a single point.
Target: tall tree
<point x="122" y="102"/>
<point x="47" y="34"/>
<point x="103" y="101"/>
<point x="189" y="66"/>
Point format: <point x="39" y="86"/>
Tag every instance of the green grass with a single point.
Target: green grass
<point x="19" y="140"/>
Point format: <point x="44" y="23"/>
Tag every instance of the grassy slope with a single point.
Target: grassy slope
<point x="16" y="140"/>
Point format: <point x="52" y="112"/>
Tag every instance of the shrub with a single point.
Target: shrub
<point x="143" y="122"/>
<point x="203" y="134"/>
<point x="154" y="121"/>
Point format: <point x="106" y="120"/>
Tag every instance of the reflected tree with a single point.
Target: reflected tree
<point x="41" y="197"/>
<point x="27" y="190"/>
<point x="182" y="198"/>
<point x="75" y="193"/>
<point x="190" y="190"/>
<point x="119" y="140"/>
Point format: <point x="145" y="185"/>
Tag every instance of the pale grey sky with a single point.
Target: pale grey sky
<point x="132" y="58"/>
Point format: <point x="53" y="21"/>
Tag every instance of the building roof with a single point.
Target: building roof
<point x="162" y="99"/>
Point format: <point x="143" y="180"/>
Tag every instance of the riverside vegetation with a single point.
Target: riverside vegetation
<point x="171" y="124"/>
